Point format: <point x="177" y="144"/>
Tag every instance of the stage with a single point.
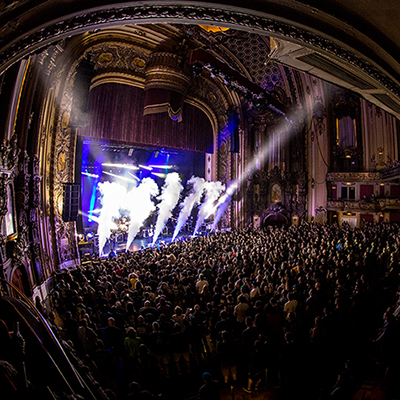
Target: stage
<point x="90" y="248"/>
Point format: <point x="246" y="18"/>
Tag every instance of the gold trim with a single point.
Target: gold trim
<point x="337" y="131"/>
<point x="355" y="131"/>
<point x="155" y="108"/>
<point x="20" y="94"/>
<point x="114" y="77"/>
<point x="214" y="29"/>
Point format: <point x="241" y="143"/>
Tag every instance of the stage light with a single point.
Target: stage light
<point x="162" y="166"/>
<point x="125" y="166"/>
<point x="145" y="167"/>
<point x="119" y="177"/>
<point x="90" y="235"/>
<point x="159" y="174"/>
<point x="90" y="217"/>
<point x="133" y="176"/>
<point x="197" y="69"/>
<point x="96" y="211"/>
<point x="90" y="175"/>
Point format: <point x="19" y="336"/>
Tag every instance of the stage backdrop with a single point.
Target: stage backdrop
<point x="115" y="113"/>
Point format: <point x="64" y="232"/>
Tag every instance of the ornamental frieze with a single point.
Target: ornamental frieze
<point x="352" y="205"/>
<point x="353" y="176"/>
<point x="119" y="57"/>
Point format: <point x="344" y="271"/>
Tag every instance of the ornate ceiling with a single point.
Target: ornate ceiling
<point x="121" y="50"/>
<point x="347" y="42"/>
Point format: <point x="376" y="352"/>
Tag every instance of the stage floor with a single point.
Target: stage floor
<point x="137" y="244"/>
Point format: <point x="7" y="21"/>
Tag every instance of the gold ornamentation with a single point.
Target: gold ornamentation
<point x="105" y="58"/>
<point x="65" y="120"/>
<point x="61" y="162"/>
<point x="139" y="62"/>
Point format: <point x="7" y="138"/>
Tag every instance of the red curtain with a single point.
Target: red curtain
<point x="395" y="190"/>
<point x="395" y="216"/>
<point x="367" y="217"/>
<point x="115" y="113"/>
<point x="366" y="190"/>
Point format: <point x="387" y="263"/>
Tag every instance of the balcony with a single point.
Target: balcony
<point x="380" y="204"/>
<point x="362" y="176"/>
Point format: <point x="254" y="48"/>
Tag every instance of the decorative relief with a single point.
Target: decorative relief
<point x="61" y="161"/>
<point x="22" y="183"/>
<point x="4" y="181"/>
<point x="9" y="153"/>
<point x="353" y="176"/>
<point x="119" y="57"/>
<point x="35" y="198"/>
<point x="205" y="90"/>
<point x="21" y="244"/>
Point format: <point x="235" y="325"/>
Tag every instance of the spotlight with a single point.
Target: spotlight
<point x="259" y="100"/>
<point x="119" y="177"/>
<point x="161" y="166"/>
<point x="249" y="97"/>
<point x="197" y="69"/>
<point x="229" y="79"/>
<point x="90" y="175"/>
<point x="215" y="71"/>
<point x="125" y="166"/>
<point x="149" y="168"/>
<point x="159" y="174"/>
<point x="133" y="176"/>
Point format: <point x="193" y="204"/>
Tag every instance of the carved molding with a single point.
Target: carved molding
<point x="119" y="57"/>
<point x="353" y="176"/>
<point x="4" y="181"/>
<point x="21" y="244"/>
<point x="9" y="153"/>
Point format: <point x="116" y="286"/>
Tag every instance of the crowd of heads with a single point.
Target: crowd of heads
<point x="281" y="299"/>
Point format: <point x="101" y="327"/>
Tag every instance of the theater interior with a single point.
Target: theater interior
<point x="117" y="118"/>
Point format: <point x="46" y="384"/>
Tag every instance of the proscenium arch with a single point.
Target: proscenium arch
<point x="26" y="29"/>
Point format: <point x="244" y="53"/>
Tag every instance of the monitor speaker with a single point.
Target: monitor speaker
<point x="71" y="202"/>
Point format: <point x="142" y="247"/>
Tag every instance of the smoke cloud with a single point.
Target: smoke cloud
<point x="224" y="202"/>
<point x="140" y="205"/>
<point x="112" y="197"/>
<point x="208" y="207"/>
<point x="190" y="201"/>
<point x="169" y="198"/>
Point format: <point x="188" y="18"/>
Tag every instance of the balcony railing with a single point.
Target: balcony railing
<point x="380" y="204"/>
<point x="390" y="171"/>
<point x="362" y="176"/>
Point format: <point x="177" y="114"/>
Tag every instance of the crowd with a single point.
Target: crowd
<point x="289" y="308"/>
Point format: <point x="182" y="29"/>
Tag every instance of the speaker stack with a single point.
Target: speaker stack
<point x="71" y="202"/>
